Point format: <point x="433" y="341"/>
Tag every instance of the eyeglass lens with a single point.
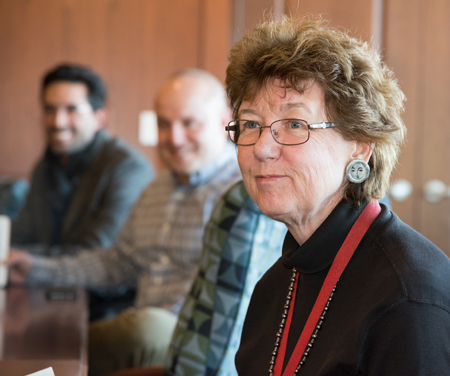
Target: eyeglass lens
<point x="285" y="131"/>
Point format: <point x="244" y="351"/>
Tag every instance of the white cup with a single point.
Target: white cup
<point x="5" y="232"/>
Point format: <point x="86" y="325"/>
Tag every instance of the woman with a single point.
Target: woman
<point x="318" y="130"/>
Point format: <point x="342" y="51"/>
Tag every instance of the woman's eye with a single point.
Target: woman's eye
<point x="251" y="125"/>
<point x="295" y="125"/>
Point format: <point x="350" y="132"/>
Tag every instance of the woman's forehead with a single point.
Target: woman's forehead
<point x="277" y="96"/>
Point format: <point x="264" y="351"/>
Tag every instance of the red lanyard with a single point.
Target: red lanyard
<point x="341" y="260"/>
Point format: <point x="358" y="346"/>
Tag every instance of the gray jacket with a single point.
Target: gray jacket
<point x="98" y="207"/>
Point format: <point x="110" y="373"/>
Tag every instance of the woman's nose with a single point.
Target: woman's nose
<point x="266" y="146"/>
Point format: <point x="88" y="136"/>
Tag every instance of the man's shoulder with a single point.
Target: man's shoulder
<point x="162" y="186"/>
<point x="113" y="150"/>
<point x="222" y="180"/>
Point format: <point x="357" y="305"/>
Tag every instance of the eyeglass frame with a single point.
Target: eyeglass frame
<point x="232" y="128"/>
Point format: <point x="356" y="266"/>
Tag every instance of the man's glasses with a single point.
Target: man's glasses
<point x="284" y="131"/>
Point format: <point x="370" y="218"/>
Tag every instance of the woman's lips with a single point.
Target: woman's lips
<point x="265" y="178"/>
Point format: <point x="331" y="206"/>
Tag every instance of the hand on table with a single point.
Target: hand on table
<point x="19" y="264"/>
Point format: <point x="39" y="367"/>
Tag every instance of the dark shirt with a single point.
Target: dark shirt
<point x="390" y="314"/>
<point x="63" y="181"/>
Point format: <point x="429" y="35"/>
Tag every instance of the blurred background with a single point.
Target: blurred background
<point x="135" y="44"/>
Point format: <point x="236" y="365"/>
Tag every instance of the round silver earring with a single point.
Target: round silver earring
<point x="357" y="171"/>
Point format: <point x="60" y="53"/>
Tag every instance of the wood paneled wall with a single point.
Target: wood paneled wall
<point x="132" y="44"/>
<point x="353" y="15"/>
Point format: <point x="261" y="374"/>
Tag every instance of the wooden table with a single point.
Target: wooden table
<point x="36" y="333"/>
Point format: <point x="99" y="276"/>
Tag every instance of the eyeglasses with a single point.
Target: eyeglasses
<point x="284" y="131"/>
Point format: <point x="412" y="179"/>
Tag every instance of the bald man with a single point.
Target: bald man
<point x="158" y="249"/>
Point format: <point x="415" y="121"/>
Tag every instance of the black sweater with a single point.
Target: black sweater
<point x="390" y="314"/>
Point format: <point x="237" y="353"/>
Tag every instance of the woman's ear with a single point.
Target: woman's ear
<point x="363" y="151"/>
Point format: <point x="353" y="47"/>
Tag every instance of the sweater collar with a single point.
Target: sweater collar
<point x="319" y="251"/>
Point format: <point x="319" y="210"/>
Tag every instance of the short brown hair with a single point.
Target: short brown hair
<point x="77" y="73"/>
<point x="361" y="93"/>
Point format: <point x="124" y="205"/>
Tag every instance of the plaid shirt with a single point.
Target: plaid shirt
<point x="160" y="245"/>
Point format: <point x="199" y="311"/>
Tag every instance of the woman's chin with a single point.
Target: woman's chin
<point x="269" y="203"/>
<point x="275" y="213"/>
